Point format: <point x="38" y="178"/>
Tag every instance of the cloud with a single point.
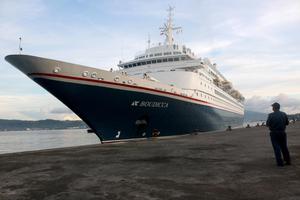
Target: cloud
<point x="71" y="117"/>
<point x="61" y="110"/>
<point x="207" y="47"/>
<point x="270" y="16"/>
<point x="280" y="13"/>
<point x="15" y="16"/>
<point x="21" y="9"/>
<point x="33" y="107"/>
<point x="288" y="104"/>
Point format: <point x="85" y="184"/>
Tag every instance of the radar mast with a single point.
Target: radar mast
<point x="168" y="28"/>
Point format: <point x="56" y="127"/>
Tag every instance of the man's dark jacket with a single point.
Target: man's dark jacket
<point x="277" y="121"/>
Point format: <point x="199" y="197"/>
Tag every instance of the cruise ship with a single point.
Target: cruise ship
<point x="163" y="91"/>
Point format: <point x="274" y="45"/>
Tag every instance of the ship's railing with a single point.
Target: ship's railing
<point x="203" y="95"/>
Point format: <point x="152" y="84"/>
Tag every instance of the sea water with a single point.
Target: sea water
<point x="19" y="141"/>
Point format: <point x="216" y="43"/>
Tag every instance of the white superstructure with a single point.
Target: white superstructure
<point x="177" y="67"/>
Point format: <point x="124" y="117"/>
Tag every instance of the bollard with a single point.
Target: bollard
<point x="155" y="133"/>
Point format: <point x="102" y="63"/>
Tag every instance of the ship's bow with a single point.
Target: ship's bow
<point x="30" y="64"/>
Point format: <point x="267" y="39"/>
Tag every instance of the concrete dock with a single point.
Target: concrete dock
<point x="236" y="164"/>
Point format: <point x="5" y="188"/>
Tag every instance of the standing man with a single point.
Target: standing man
<point x="277" y="121"/>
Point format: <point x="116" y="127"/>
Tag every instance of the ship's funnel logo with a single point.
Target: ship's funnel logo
<point x="135" y="103"/>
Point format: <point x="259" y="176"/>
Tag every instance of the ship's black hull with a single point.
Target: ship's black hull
<point x="116" y="114"/>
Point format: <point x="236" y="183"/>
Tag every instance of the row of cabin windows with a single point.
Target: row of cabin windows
<point x="154" y="61"/>
<point x="159" y="54"/>
<point x="222" y="95"/>
<point x="206" y="96"/>
<point x="205" y="77"/>
<point x="215" y="99"/>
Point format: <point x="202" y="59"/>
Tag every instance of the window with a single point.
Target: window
<point x="167" y="53"/>
<point x="153" y="61"/>
<point x="158" y="61"/>
<point x="165" y="60"/>
<point x="170" y="59"/>
<point x="223" y="96"/>
<point x="151" y="55"/>
<point x="148" y="62"/>
<point x="182" y="58"/>
<point x="158" y="54"/>
<point x="176" y="59"/>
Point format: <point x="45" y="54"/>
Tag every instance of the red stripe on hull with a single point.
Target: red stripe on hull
<point x="129" y="86"/>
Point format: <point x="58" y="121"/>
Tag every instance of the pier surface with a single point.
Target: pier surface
<point x="237" y="164"/>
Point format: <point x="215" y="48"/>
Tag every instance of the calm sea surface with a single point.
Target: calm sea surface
<point x="18" y="141"/>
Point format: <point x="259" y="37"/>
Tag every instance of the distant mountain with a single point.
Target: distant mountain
<point x="48" y="124"/>
<point x="294" y="117"/>
<point x="252" y="116"/>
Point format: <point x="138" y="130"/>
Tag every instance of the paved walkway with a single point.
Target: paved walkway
<point x="227" y="165"/>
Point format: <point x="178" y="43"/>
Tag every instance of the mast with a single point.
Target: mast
<point x="20" y="47"/>
<point x="168" y="28"/>
<point x="149" y="40"/>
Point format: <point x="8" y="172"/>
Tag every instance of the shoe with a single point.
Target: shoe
<point x="287" y="163"/>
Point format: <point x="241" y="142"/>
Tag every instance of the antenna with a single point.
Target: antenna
<point x="20" y="48"/>
<point x="149" y="40"/>
<point x="168" y="28"/>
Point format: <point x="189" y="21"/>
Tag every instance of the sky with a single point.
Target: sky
<point x="256" y="44"/>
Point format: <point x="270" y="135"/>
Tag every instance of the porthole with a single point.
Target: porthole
<point x="56" y="69"/>
<point x="85" y="73"/>
<point x="117" y="79"/>
<point x="93" y="75"/>
<point x="129" y="81"/>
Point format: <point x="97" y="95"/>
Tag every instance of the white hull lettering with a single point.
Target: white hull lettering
<point x="150" y="104"/>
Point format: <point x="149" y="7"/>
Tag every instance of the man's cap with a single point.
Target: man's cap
<point x="275" y="105"/>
